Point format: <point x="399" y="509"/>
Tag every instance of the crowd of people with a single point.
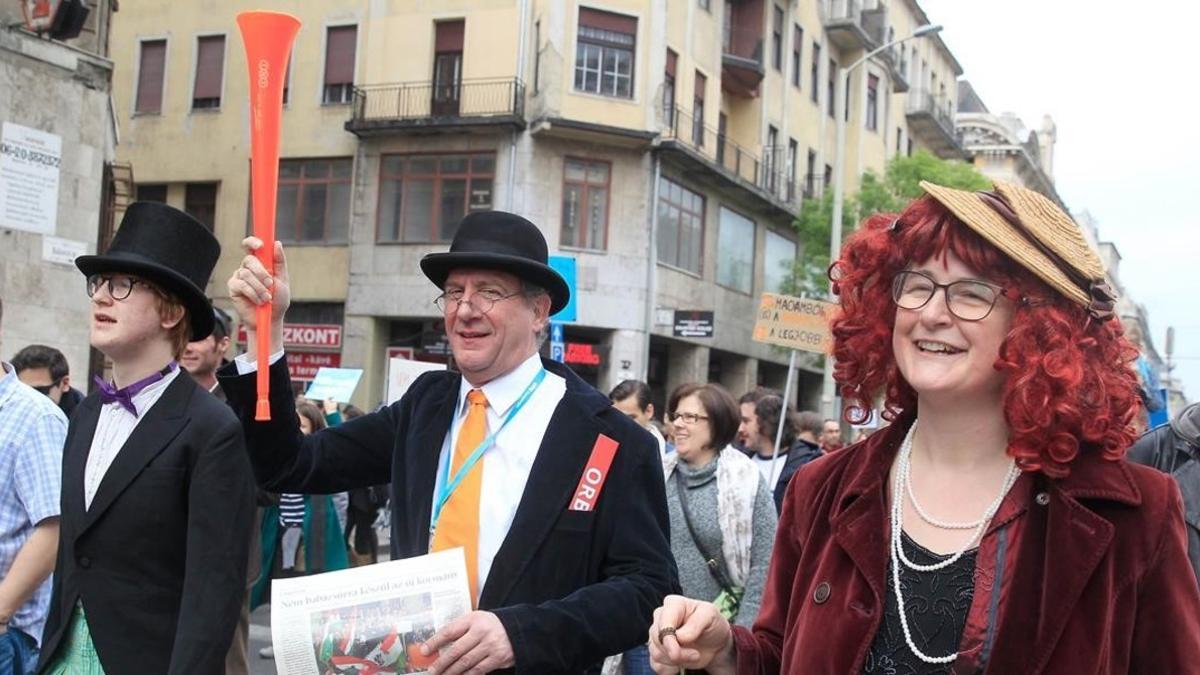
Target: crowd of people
<point x="989" y="519"/>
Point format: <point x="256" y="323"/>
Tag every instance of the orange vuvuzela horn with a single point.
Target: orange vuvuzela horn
<point x="268" y="38"/>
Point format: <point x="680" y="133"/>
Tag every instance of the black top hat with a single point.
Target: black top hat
<point x="168" y="247"/>
<point x="496" y="240"/>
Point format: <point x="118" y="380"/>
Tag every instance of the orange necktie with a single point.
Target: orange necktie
<point x="458" y="524"/>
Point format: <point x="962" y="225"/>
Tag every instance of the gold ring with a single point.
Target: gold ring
<point x="664" y="632"/>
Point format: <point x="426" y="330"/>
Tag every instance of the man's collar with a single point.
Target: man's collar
<point x="8" y="381"/>
<point x="504" y="391"/>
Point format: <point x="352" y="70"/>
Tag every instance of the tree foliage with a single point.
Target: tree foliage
<point x="899" y="185"/>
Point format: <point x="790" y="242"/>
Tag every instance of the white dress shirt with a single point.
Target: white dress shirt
<point x="115" y="426"/>
<point x="506" y="465"/>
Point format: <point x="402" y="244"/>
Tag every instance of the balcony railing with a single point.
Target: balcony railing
<point x="769" y="178"/>
<point x="428" y="104"/>
<point x="933" y="118"/>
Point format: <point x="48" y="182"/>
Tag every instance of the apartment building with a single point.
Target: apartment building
<point x="664" y="148"/>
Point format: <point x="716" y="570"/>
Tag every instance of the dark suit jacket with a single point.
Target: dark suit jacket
<point x="570" y="587"/>
<point x="159" y="560"/>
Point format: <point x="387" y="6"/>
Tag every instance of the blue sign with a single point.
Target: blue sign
<point x="556" y="332"/>
<point x="565" y="265"/>
<point x="558" y="349"/>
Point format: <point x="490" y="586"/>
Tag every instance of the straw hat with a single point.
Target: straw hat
<point x="1034" y="232"/>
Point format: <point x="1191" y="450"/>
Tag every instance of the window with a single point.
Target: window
<point x="314" y="201"/>
<point x="151" y="70"/>
<point x="200" y="202"/>
<point x="810" y="175"/>
<point x="537" y="55"/>
<point x="287" y="79"/>
<point x="792" y="159"/>
<point x="152" y="192"/>
<point x="585" y="203"/>
<point x="669" y="90"/>
<point x="899" y="139"/>
<point x="872" y="103"/>
<point x="828" y="178"/>
<point x="735" y="264"/>
<point x="777" y="39"/>
<point x="910" y="146"/>
<point x="816" y="73"/>
<point x="604" y="53"/>
<point x="698" y="110"/>
<point x="447" y="67"/>
<point x="680" y="226"/>
<point x="832" y="88"/>
<point x="769" y="154"/>
<point x="422" y="197"/>
<point x="340" y="45"/>
<point x="210" y="66"/>
<point x="797" y="45"/>
<point x="779" y="255"/>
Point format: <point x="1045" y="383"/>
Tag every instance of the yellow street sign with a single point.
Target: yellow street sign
<point x="794" y="323"/>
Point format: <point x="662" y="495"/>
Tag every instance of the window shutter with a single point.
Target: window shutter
<point x="210" y="57"/>
<point x="150" y="76"/>
<point x="339" y="55"/>
<point x="671" y="63"/>
<point x="618" y="23"/>
<point x="449" y="36"/>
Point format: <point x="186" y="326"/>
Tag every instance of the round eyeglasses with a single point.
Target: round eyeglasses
<point x="481" y="301"/>
<point x="119" y="286"/>
<point x="967" y="299"/>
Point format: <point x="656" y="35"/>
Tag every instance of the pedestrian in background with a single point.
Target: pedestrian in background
<point x="831" y="436"/>
<point x="632" y="397"/>
<point x="46" y="370"/>
<point x="32" y="431"/>
<point x="994" y="527"/>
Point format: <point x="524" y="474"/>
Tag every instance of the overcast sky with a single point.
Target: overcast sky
<point x="1119" y="84"/>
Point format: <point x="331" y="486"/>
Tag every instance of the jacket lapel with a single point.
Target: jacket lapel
<point x="860" y="526"/>
<point x="75" y="454"/>
<point x="560" y="461"/>
<point x="421" y="474"/>
<point x="161" y="424"/>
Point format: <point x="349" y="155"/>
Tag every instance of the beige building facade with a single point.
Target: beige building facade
<point x="664" y="148"/>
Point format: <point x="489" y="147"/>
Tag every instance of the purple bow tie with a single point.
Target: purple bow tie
<point x="110" y="394"/>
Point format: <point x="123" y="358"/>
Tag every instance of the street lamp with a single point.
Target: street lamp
<point x="835" y="240"/>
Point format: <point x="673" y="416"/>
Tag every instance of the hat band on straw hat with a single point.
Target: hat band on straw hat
<point x="1102" y="301"/>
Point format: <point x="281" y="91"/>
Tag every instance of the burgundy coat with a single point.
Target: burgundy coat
<point x="1093" y="568"/>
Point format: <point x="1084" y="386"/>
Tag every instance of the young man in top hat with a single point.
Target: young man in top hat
<point x="564" y="570"/>
<point x="158" y="495"/>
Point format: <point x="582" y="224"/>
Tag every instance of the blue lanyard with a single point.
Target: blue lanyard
<point x="450" y="484"/>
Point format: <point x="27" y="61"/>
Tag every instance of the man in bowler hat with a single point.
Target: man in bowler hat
<point x="157" y="494"/>
<point x="562" y="574"/>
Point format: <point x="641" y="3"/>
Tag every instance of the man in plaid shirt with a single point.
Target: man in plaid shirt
<point x="32" y="432"/>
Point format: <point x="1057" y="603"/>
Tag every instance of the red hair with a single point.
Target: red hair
<point x="1069" y="386"/>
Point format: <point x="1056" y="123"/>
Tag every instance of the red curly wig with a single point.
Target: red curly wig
<point x="1069" y="386"/>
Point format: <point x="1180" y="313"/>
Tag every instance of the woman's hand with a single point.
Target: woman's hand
<point x="690" y="634"/>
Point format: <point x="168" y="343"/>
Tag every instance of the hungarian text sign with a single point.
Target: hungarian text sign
<point x="794" y="323"/>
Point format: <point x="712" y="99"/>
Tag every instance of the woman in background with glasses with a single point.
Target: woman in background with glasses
<point x="994" y="526"/>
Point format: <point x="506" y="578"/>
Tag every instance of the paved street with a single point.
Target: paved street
<point x="260" y="636"/>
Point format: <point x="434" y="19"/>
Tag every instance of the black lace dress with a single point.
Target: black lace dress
<point x="936" y="604"/>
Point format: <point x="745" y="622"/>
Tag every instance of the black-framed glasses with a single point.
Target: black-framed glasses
<point x="688" y="418"/>
<point x="481" y="301"/>
<point x="119" y="285"/>
<point x="967" y="299"/>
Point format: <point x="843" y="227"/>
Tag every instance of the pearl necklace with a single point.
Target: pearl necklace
<point x="903" y="485"/>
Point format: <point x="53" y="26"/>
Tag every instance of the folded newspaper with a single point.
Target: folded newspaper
<point x="367" y="620"/>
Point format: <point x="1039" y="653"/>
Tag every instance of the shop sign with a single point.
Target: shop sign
<point x="304" y="365"/>
<point x="581" y="354"/>
<point x="306" y="335"/>
<point x="693" y="323"/>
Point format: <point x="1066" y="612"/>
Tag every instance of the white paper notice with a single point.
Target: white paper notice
<point x="402" y="373"/>
<point x="29" y="169"/>
<point x="62" y="251"/>
<point x="370" y="619"/>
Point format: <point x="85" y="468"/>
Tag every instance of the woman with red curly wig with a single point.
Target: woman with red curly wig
<point x="994" y="526"/>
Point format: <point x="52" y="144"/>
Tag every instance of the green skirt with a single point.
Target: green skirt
<point x="76" y="654"/>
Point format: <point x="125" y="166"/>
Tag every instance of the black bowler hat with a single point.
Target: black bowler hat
<point x="168" y="247"/>
<point x="496" y="240"/>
